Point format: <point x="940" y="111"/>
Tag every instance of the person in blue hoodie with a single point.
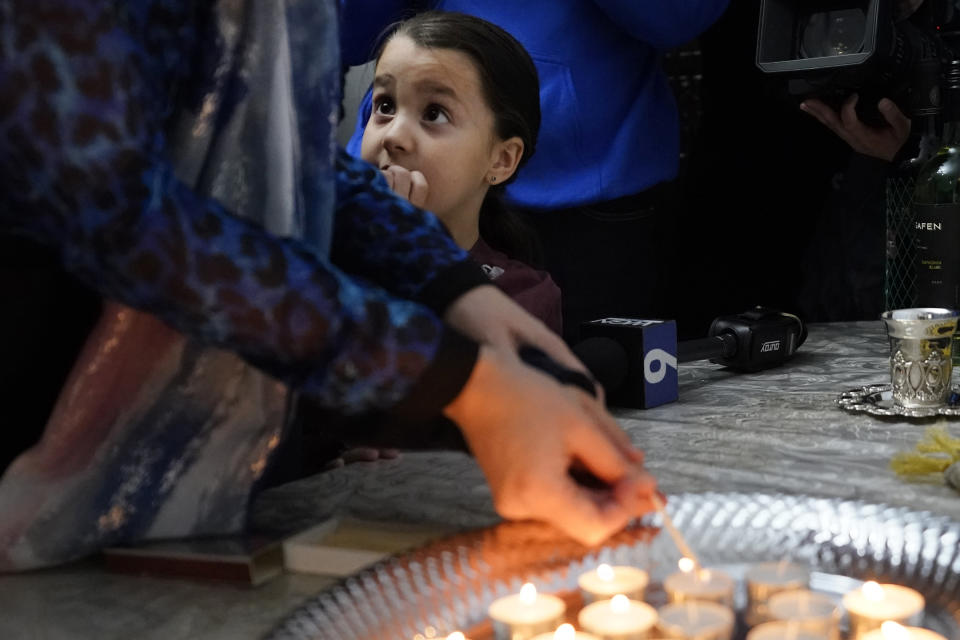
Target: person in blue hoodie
<point x="609" y="139"/>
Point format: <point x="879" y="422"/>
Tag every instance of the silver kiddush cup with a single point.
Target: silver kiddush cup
<point x="920" y="365"/>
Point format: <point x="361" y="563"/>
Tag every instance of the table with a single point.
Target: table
<point x="773" y="431"/>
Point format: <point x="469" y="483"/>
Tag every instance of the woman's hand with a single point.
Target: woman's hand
<point x="527" y="432"/>
<point x="488" y="316"/>
<point x="410" y="185"/>
<point x="882" y="143"/>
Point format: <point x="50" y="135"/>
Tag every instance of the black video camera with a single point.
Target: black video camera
<point x="828" y="49"/>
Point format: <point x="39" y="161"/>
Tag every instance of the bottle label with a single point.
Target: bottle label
<point x="937" y="232"/>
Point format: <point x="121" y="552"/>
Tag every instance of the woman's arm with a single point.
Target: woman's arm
<point x="83" y="169"/>
<point x="384" y="238"/>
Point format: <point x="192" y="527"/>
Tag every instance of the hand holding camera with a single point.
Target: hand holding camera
<point x="840" y="57"/>
<point x="882" y="142"/>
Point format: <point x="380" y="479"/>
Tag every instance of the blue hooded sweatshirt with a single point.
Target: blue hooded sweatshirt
<point x="610" y="123"/>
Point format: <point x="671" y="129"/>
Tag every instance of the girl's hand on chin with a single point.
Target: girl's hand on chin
<point x="410" y="185"/>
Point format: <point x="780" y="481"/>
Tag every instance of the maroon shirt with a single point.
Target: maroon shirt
<point x="532" y="289"/>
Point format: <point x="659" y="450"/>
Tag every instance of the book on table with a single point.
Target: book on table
<point x="343" y="546"/>
<point x="333" y="547"/>
<point x="247" y="559"/>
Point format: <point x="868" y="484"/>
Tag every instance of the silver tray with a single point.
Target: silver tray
<point x="448" y="585"/>
<point x="877" y="400"/>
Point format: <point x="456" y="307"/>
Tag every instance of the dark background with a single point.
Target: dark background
<point x="764" y="214"/>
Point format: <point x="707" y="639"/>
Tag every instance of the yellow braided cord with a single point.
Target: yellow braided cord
<point x="946" y="444"/>
<point x="937" y="441"/>
<point x="909" y="464"/>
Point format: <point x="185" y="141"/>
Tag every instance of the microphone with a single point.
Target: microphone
<point x="636" y="360"/>
<point x="605" y="358"/>
<point x="719" y="346"/>
<point x="754" y="340"/>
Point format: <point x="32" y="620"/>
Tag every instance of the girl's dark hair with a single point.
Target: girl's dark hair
<point x="511" y="87"/>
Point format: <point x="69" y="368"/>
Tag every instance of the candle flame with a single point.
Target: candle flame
<point x="705" y="575"/>
<point x="890" y="630"/>
<point x="620" y="603"/>
<point x="872" y="591"/>
<point x="456" y="635"/>
<point x="605" y="572"/>
<point x="686" y="564"/>
<point x="528" y="593"/>
<point x="565" y="632"/>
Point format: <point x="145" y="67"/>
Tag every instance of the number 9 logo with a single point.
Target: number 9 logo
<point x="663" y="360"/>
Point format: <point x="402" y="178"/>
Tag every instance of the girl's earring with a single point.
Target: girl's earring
<point x="493" y="179"/>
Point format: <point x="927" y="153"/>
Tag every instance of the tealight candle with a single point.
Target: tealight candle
<point x="525" y="614"/>
<point x="566" y="632"/>
<point x="619" y="618"/>
<point x="781" y="630"/>
<point x="890" y="630"/>
<point x="699" y="584"/>
<point x="768" y="578"/>
<point x="814" y="612"/>
<point x="868" y="607"/>
<point x="605" y="581"/>
<point x="696" y="620"/>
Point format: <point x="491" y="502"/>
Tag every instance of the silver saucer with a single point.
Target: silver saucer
<point x="448" y="585"/>
<point x="877" y="400"/>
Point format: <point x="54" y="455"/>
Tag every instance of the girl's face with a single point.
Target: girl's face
<point x="429" y="115"/>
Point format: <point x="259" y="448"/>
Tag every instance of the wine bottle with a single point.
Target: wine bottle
<point x="936" y="212"/>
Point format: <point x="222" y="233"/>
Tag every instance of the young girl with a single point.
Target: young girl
<point x="456" y="110"/>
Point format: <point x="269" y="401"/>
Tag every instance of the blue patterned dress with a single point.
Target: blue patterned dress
<point x="178" y="155"/>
